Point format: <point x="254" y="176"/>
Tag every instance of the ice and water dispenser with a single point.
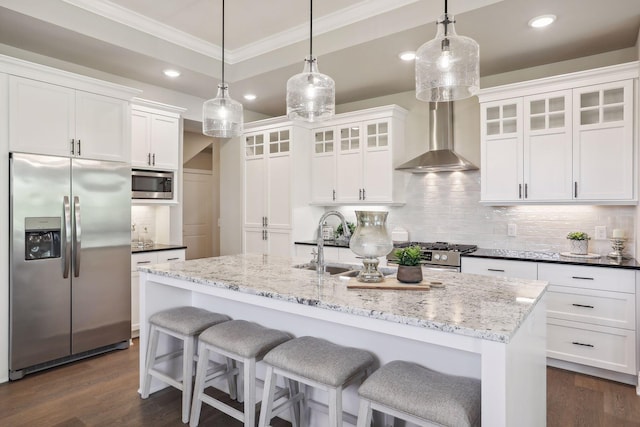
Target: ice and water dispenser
<point x="42" y="238"/>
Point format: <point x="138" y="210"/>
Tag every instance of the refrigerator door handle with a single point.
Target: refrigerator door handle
<point x="77" y="237"/>
<point x="66" y="237"/>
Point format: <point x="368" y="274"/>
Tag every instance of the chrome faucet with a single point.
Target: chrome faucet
<point x="320" y="265"/>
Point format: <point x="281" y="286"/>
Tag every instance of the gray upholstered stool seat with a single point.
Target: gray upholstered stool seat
<point x="420" y="395"/>
<point x="244" y="342"/>
<point x="317" y="363"/>
<point x="183" y="323"/>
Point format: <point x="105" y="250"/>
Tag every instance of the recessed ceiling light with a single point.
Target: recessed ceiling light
<point x="407" y="56"/>
<point x="171" y="73"/>
<point x="542" y="21"/>
<point x="249" y="97"/>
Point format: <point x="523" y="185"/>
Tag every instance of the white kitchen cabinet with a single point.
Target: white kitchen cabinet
<point x="323" y="165"/>
<point x="155" y="136"/>
<point x="355" y="155"/>
<point x="277" y="160"/>
<point x="499" y="267"/>
<point x="501" y="150"/>
<point x="143" y="259"/>
<point x="591" y="316"/>
<point x="57" y="120"/>
<point x="604" y="139"/>
<point x="564" y="139"/>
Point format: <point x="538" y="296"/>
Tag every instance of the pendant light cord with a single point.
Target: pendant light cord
<point x="310" y="30"/>
<point x="223" y="43"/>
<point x="446" y="17"/>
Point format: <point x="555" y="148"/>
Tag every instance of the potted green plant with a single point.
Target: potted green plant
<point x="339" y="233"/>
<point x="579" y="242"/>
<point x="409" y="269"/>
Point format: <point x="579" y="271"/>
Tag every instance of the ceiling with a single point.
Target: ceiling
<point x="357" y="42"/>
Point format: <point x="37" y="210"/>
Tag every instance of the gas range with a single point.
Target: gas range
<point x="436" y="254"/>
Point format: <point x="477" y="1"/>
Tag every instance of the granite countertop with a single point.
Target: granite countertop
<point x="155" y="248"/>
<point x="553" y="257"/>
<point x="485" y="307"/>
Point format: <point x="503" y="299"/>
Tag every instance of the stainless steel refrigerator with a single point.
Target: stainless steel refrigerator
<point x="70" y="277"/>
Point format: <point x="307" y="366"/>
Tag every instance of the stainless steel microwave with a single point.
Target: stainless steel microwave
<point x="146" y="184"/>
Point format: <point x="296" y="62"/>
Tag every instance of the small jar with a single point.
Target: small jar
<point x="327" y="231"/>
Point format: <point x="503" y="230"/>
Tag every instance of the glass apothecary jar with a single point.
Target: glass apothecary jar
<point x="371" y="240"/>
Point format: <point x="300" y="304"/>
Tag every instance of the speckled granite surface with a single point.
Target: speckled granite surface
<point x="484" y="307"/>
<point x="603" y="261"/>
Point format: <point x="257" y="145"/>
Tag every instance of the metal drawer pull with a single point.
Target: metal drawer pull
<point x="173" y="259"/>
<point x="495" y="269"/>
<point x="582" y="278"/>
<point x="582" y="305"/>
<point x="582" y="344"/>
<point x="143" y="262"/>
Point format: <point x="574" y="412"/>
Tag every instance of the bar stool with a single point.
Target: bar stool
<point x="317" y="363"/>
<point x="420" y="395"/>
<point x="242" y="341"/>
<point x="183" y="323"/>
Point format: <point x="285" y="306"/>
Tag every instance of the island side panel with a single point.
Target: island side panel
<point x="518" y="372"/>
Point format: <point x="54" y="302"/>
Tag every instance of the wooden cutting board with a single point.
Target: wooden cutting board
<point x="391" y="283"/>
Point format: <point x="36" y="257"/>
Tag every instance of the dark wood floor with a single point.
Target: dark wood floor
<point x="102" y="391"/>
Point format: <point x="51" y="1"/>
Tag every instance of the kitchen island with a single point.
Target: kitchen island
<point x="484" y="327"/>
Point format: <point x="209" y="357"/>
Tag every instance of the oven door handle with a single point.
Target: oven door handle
<point x="450" y="268"/>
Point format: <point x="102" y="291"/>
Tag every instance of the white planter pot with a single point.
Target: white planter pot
<point x="579" y="247"/>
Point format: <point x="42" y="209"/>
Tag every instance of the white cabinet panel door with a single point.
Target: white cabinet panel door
<point x="140" y="138"/>
<point x="42" y="119"/>
<point x="255" y="197"/>
<point x="102" y="127"/>
<point x="254" y="241"/>
<point x="279" y="192"/>
<point x="279" y="243"/>
<point x="165" y="142"/>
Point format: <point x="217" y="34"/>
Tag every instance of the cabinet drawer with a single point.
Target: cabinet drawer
<point x="597" y="346"/>
<point x="608" y="279"/>
<point x="616" y="309"/>
<point x="170" y="256"/>
<point x="500" y="267"/>
<point x="145" y="258"/>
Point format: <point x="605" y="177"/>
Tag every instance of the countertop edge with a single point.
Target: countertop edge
<point x="629" y="264"/>
<point x="156" y="248"/>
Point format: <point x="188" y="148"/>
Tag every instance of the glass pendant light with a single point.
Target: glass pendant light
<point x="222" y="116"/>
<point x="447" y="67"/>
<point x="311" y="95"/>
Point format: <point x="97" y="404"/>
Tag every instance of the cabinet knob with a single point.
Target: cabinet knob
<point x="575" y="189"/>
<point x="154" y="159"/>
<point x="334" y="195"/>
<point x="73" y="146"/>
<point x="519" y="191"/>
<point x="526" y="191"/>
<point x="79" y="142"/>
<point x="364" y="195"/>
<point x="582" y="344"/>
<point x="149" y="159"/>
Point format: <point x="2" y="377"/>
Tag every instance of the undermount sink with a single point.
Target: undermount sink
<point x="331" y="269"/>
<point x="335" y="270"/>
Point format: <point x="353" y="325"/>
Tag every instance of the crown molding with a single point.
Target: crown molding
<point x="341" y="18"/>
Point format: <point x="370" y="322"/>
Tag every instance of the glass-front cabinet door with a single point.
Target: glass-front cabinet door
<point x="547" y="151"/>
<point x="501" y="150"/>
<point x="603" y="142"/>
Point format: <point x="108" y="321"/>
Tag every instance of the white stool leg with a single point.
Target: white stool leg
<point x="335" y="407"/>
<point x="304" y="407"/>
<point x="364" y="413"/>
<point x="231" y="380"/>
<point x="152" y="348"/>
<point x="249" y="392"/>
<point x="187" y="376"/>
<point x="267" y="397"/>
<point x="240" y="383"/>
<point x="295" y="408"/>
<point x="201" y="373"/>
<point x="388" y="420"/>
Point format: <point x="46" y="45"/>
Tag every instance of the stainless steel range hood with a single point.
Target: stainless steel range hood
<point x="440" y="157"/>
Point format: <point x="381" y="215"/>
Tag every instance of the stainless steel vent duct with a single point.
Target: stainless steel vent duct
<point x="440" y="157"/>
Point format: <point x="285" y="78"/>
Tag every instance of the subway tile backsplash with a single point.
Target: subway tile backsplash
<point x="445" y="207"/>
